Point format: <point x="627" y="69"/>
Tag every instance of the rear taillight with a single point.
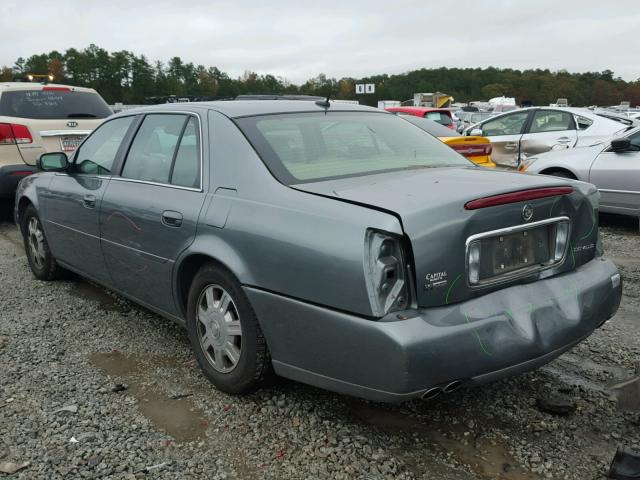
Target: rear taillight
<point x="472" y="149"/>
<point x="385" y="273"/>
<point x="13" y="133"/>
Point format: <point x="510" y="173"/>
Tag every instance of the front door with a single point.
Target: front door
<point x="549" y="130"/>
<point x="150" y="211"/>
<point x="73" y="199"/>
<point x="505" y="133"/>
<point x="617" y="176"/>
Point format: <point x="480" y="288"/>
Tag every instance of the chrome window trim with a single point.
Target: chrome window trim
<point x="160" y="184"/>
<point x="520" y="273"/>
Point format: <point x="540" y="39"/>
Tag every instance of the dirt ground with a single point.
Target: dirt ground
<point x="93" y="386"/>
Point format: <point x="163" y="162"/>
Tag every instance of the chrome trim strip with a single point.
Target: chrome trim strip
<point x="60" y="133"/>
<point x="168" y="185"/>
<point x="507" y="277"/>
<point x="629" y="192"/>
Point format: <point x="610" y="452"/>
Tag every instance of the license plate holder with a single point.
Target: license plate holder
<point x="69" y="143"/>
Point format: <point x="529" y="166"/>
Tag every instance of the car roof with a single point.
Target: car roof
<point x="249" y="108"/>
<point x="14" y="86"/>
<point x="430" y="126"/>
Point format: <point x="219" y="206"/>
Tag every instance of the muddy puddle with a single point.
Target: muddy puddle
<point x="178" y="416"/>
<point x="486" y="459"/>
<point x="87" y="291"/>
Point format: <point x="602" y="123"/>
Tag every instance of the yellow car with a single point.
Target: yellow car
<point x="475" y="148"/>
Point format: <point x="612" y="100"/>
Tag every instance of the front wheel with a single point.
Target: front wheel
<point x="224" y="332"/>
<point x="39" y="256"/>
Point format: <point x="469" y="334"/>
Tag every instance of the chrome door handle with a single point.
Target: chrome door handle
<point x="510" y="146"/>
<point x="89" y="201"/>
<point x="171" y="218"/>
<point x="563" y="140"/>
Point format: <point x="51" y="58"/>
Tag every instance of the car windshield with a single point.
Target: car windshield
<point x="308" y="147"/>
<point x="53" y="104"/>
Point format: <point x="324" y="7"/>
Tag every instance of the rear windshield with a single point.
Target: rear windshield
<point x="307" y="147"/>
<point x="43" y="104"/>
<point x="440" y="117"/>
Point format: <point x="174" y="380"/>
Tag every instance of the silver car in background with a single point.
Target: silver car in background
<point x="517" y="135"/>
<point x="612" y="167"/>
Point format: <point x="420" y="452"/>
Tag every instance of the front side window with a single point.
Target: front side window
<point x="511" y="124"/>
<point x="151" y="154"/>
<point x="307" y="147"/>
<point x="98" y="152"/>
<point x="635" y="140"/>
<point x="439" y="117"/>
<point x="551" y="121"/>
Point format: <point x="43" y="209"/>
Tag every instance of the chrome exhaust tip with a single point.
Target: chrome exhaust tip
<point x="452" y="387"/>
<point x="431" y="393"/>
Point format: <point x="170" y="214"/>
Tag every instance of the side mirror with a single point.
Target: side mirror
<point x="53" y="162"/>
<point x="476" y="132"/>
<point x="620" y="144"/>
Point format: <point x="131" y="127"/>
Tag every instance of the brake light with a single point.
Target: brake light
<point x="514" y="197"/>
<point x="13" y="133"/>
<point x="20" y="173"/>
<point x="6" y="135"/>
<point x="21" y="133"/>
<point x="56" y="89"/>
<point x="472" y="149"/>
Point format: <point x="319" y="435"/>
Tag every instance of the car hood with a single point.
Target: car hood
<point x="430" y="205"/>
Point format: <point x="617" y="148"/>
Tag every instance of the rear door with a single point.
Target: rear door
<point x="548" y="130"/>
<point x="73" y="199"/>
<point x="150" y="211"/>
<point x="617" y="176"/>
<point x="505" y="133"/>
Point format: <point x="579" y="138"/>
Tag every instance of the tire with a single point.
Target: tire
<point x="41" y="261"/>
<point x="561" y="174"/>
<point x="242" y="367"/>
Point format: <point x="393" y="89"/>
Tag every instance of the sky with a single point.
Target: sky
<point x="298" y="39"/>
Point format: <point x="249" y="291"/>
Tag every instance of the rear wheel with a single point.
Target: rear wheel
<point x="224" y="332"/>
<point x="41" y="261"/>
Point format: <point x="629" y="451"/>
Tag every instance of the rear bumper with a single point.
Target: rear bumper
<point x="10" y="175"/>
<point x="503" y="333"/>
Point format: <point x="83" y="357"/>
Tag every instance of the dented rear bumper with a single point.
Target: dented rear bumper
<point x="505" y="332"/>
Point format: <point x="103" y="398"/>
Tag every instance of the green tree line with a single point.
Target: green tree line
<point x="123" y="76"/>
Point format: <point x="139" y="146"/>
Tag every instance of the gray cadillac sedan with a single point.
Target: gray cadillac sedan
<point x="333" y="244"/>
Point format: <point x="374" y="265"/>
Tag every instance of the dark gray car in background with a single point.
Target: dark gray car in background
<point x="334" y="244"/>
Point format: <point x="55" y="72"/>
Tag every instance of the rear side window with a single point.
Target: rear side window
<point x="165" y="150"/>
<point x="97" y="153"/>
<point x="53" y="104"/>
<point x="551" y="121"/>
<point x="583" y="122"/>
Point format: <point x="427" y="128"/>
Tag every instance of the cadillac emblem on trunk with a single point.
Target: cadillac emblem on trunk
<point x="527" y="212"/>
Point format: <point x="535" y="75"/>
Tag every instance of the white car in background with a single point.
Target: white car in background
<point x="613" y="167"/>
<point x="37" y="118"/>
<point x="520" y="134"/>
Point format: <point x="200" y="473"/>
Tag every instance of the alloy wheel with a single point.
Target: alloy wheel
<point x="36" y="242"/>
<point x="219" y="328"/>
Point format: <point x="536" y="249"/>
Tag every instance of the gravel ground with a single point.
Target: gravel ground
<point x="134" y="405"/>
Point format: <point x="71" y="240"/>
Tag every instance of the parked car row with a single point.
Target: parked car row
<point x="333" y="244"/>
